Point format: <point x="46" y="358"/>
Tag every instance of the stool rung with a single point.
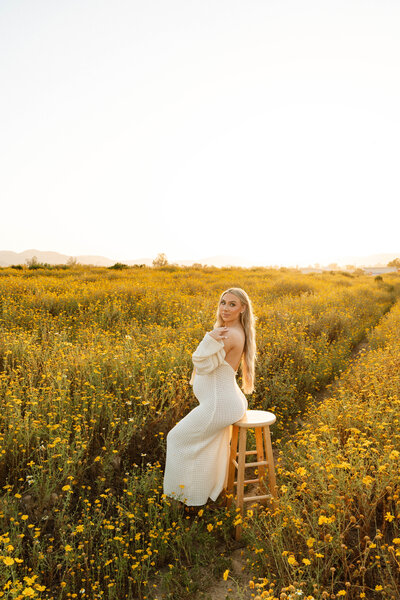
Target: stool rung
<point x="252" y="464"/>
<point x="256" y="464"/>
<point x="248" y="452"/>
<point x="248" y="481"/>
<point x="257" y="498"/>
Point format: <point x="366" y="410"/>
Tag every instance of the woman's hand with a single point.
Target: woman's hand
<point x="219" y="333"/>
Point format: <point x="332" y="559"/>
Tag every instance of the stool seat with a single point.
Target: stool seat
<point x="256" y="418"/>
<point x="263" y="467"/>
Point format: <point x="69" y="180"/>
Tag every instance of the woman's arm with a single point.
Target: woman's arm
<point x="209" y="354"/>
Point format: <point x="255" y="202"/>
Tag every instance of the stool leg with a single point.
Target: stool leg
<point x="240" y="476"/>
<point x="270" y="460"/>
<point x="260" y="457"/>
<point x="232" y="468"/>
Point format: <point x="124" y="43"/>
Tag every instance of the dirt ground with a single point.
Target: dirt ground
<point x="236" y="587"/>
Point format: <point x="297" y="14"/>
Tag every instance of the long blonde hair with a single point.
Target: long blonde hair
<point x="247" y="320"/>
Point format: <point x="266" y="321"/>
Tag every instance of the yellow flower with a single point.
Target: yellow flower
<point x="210" y="527"/>
<point x="378" y="588"/>
<point x="341" y="593"/>
<point x="225" y="575"/>
<point x="66" y="488"/>
<point x="200" y="513"/>
<point x="389" y="517"/>
<point x="367" y="480"/>
<point x="8" y="561"/>
<point x="68" y="548"/>
<point x="29" y="592"/>
<point x="292" y="560"/>
<point x="24" y="517"/>
<point x="306" y="561"/>
<point x="322" y="519"/>
<point x="310" y="542"/>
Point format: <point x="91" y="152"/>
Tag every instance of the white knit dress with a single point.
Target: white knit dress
<point x="198" y="446"/>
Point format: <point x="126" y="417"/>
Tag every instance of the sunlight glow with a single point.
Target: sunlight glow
<point x="265" y="130"/>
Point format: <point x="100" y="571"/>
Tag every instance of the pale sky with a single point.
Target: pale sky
<point x="268" y="129"/>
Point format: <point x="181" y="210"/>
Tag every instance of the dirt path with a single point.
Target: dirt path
<point x="355" y="355"/>
<point x="236" y="586"/>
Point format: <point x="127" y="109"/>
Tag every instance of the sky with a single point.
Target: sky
<point x="265" y="129"/>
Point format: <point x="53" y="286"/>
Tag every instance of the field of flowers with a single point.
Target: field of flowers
<point x="336" y="532"/>
<point x="94" y="371"/>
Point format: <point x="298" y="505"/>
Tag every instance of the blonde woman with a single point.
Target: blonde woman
<point x="198" y="446"/>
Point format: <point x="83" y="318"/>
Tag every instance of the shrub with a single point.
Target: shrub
<point x="119" y="266"/>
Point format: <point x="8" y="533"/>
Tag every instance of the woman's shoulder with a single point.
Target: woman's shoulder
<point x="237" y="336"/>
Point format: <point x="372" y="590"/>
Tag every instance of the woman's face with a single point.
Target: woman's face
<point x="230" y="308"/>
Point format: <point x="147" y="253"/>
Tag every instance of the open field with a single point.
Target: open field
<point x="94" y="371"/>
<point x="336" y="531"/>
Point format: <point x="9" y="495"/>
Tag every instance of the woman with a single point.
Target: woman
<point x="198" y="446"/>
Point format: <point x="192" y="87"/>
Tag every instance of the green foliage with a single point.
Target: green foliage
<point x="394" y="263"/>
<point x="119" y="266"/>
<point x="94" y="371"/>
<point x="336" y="528"/>
<point x="160" y="260"/>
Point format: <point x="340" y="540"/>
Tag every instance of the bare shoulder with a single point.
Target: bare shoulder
<point x="236" y="337"/>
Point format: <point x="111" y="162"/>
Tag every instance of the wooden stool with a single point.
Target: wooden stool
<point x="260" y="420"/>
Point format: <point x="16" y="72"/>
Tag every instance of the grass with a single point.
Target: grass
<point x="336" y="531"/>
<point x="94" y="370"/>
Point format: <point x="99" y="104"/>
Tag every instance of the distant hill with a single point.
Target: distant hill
<point x="219" y="261"/>
<point x="372" y="260"/>
<point x="8" y="258"/>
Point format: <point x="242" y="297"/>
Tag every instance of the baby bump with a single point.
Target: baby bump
<point x="219" y="394"/>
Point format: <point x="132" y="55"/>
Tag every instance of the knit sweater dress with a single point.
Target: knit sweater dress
<point x="198" y="446"/>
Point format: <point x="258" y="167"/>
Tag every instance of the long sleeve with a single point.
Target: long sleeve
<point x="208" y="355"/>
